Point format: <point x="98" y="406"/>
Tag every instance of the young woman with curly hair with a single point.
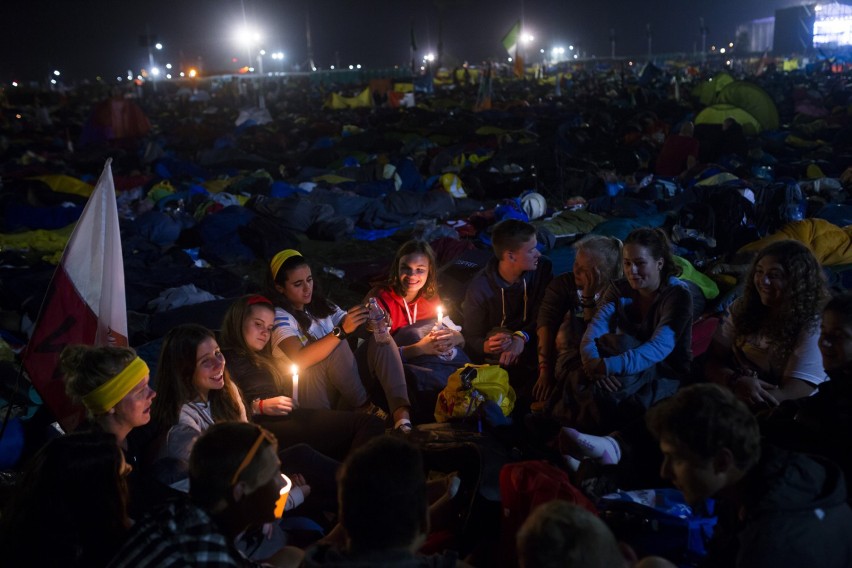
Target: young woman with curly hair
<point x="767" y="348"/>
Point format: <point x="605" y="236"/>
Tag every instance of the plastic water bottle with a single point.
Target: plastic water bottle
<point x="380" y="323"/>
<point x="449" y="354"/>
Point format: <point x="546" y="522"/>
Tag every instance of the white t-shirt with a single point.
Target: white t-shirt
<point x="285" y="325"/>
<point x="805" y="363"/>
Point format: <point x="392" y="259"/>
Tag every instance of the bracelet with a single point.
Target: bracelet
<point x="260" y="406"/>
<point x="523" y="335"/>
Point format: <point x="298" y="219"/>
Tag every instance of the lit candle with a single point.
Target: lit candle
<point x="295" y="370"/>
<point x="440" y="315"/>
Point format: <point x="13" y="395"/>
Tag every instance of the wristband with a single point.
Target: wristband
<point x="260" y="406"/>
<point x="523" y="335"/>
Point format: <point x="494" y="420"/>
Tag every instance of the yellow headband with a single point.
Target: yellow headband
<point x="279" y="259"/>
<point x="111" y="392"/>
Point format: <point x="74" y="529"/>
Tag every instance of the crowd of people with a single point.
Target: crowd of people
<point x="289" y="434"/>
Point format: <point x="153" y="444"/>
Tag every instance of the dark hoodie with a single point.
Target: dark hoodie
<point x="794" y="514"/>
<point x="491" y="302"/>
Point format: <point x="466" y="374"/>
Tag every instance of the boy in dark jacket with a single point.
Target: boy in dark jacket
<point x="501" y="303"/>
<point x="775" y="507"/>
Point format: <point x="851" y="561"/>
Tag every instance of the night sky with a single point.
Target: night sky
<point x="87" y="38"/>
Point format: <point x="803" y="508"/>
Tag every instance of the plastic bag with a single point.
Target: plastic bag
<point x="468" y="387"/>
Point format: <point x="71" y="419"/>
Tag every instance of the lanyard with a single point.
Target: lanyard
<point x="408" y="313"/>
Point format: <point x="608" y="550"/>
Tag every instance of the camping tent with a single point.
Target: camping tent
<point x="716" y="114"/>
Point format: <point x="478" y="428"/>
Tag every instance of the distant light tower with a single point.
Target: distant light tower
<point x="703" y="29"/>
<point x="612" y="42"/>
<point x="650" y="40"/>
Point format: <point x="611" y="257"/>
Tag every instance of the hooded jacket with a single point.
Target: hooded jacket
<point x="794" y="514"/>
<point x="491" y="302"/>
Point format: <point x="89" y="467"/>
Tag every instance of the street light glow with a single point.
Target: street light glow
<point x="56" y="72"/>
<point x="278" y="55"/>
<point x="158" y="45"/>
<point x="527" y="38"/>
<point x="155" y="71"/>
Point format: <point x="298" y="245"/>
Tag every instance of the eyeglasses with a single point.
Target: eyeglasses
<point x="262" y="434"/>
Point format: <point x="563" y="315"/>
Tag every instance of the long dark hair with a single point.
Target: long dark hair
<point x="75" y="481"/>
<point x="658" y="244"/>
<point x="234" y="341"/>
<point x="319" y="307"/>
<point x="430" y="287"/>
<point x="175" y="369"/>
<point x="804" y="296"/>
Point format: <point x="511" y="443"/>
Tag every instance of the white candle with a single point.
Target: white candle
<point x="440" y="315"/>
<point x="295" y="370"/>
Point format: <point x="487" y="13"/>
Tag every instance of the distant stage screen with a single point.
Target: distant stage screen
<point x="833" y="25"/>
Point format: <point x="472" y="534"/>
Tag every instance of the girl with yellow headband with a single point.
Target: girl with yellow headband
<point x="311" y="331"/>
<point x="112" y="384"/>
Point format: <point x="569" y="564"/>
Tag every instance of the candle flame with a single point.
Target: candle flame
<point x="294" y="369"/>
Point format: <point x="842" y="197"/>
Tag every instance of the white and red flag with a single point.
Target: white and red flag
<point x="85" y="302"/>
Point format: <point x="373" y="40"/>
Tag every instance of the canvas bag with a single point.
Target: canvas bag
<point x="468" y="387"/>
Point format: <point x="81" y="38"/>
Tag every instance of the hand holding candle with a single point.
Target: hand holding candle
<point x="295" y="371"/>
<point x="440" y="321"/>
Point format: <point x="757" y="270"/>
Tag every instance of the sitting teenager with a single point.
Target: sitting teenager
<point x="766" y="349"/>
<point x="112" y="384"/>
<point x="569" y="303"/>
<point x="234" y="484"/>
<point x="311" y="332"/>
<point x="820" y="424"/>
<point x="637" y="348"/>
<point x="267" y="387"/>
<point x="74" y="484"/>
<point x="774" y="507"/>
<point x="384" y="516"/>
<point x="196" y="391"/>
<point x="430" y="350"/>
<point x="501" y="303"/>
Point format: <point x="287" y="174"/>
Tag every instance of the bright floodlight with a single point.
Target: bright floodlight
<point x="429" y="57"/>
<point x="247" y="36"/>
<point x="332" y="67"/>
<point x="193" y="72"/>
<point x="722" y="50"/>
<point x="14" y="83"/>
<point x="541" y="50"/>
<point x="358" y="66"/>
<point x="278" y="55"/>
<point x="56" y="72"/>
<point x="351" y="67"/>
<point x="527" y="38"/>
<point x="155" y="71"/>
<point x="263" y="52"/>
<point x="571" y="47"/>
<point x="168" y="75"/>
<point x="53" y="81"/>
<point x="168" y="65"/>
<point x="158" y="45"/>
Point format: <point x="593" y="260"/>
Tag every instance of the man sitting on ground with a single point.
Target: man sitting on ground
<point x="775" y="508"/>
<point x="383" y="511"/>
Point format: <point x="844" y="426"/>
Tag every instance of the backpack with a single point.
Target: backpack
<point x="720" y="213"/>
<point x="659" y="522"/>
<point x="778" y="204"/>
<point x="523" y="487"/>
